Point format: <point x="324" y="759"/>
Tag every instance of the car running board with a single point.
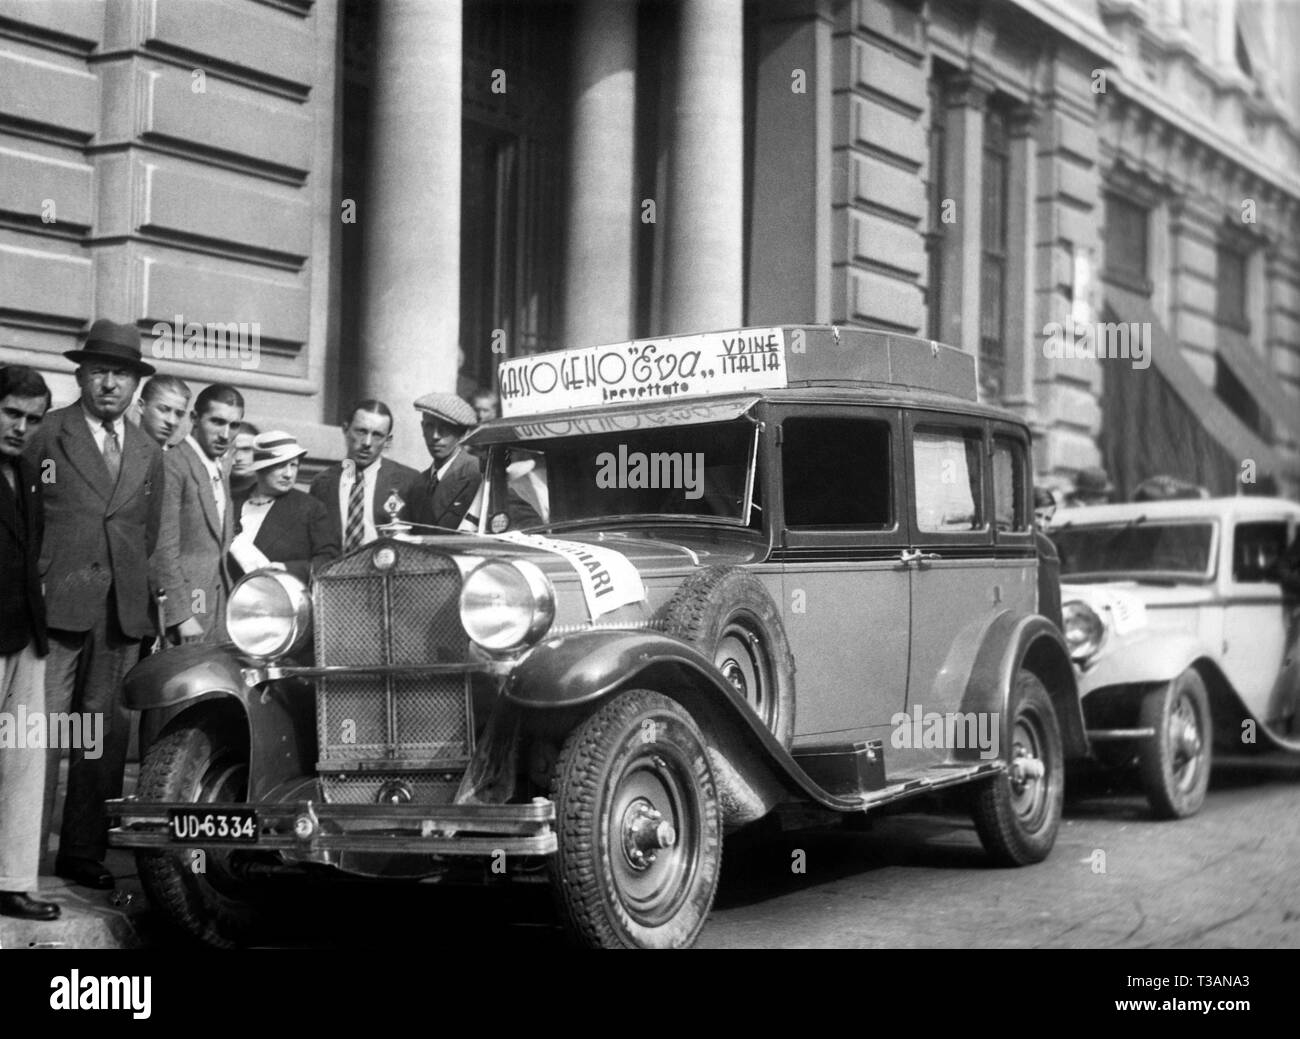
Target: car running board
<point x="856" y="773"/>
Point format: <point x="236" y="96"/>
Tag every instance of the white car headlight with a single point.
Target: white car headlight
<point x="269" y="614"/>
<point x="506" y="604"/>
<point x="1084" y="630"/>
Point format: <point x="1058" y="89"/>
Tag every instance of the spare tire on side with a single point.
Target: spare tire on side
<point x="726" y="614"/>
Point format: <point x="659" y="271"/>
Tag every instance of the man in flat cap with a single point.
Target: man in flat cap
<point x="102" y="479"/>
<point x="443" y="493"/>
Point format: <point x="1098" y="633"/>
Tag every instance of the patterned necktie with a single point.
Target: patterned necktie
<point x="356" y="530"/>
<point x="112" y="450"/>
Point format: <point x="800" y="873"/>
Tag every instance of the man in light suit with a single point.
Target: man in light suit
<point x="366" y="489"/>
<point x="102" y="480"/>
<point x="198" y="520"/>
<point x="24" y="399"/>
<point x="443" y="493"/>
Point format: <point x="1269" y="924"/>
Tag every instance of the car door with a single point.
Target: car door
<point x="1255" y="618"/>
<point x="842" y="532"/>
<point x="958" y="582"/>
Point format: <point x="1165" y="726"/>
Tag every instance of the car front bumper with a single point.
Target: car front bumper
<point x="309" y="828"/>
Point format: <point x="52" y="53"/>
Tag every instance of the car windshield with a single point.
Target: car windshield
<point x="704" y="472"/>
<point x="1135" y="550"/>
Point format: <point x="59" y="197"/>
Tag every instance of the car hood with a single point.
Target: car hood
<point x="651" y="552"/>
<point x="1147" y="595"/>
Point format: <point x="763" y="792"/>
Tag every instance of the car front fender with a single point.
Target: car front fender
<point x="1139" y="657"/>
<point x="279" y="717"/>
<point x="753" y="771"/>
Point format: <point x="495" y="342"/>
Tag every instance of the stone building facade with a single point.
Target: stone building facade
<point x="400" y="193"/>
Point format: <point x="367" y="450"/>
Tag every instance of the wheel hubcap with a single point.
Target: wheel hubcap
<point x="654" y="822"/>
<point x="1027" y="771"/>
<point x="1185" y="742"/>
<point x="743" y="663"/>
<point x="645" y="832"/>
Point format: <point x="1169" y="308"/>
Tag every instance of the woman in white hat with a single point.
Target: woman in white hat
<point x="277" y="522"/>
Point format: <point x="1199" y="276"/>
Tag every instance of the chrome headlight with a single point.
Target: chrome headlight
<point x="506" y="604"/>
<point x="1084" y="630"/>
<point x="269" y="614"/>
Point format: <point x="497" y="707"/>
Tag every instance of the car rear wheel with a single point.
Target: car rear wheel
<point x="640" y="830"/>
<point x="728" y="616"/>
<point x="195" y="889"/>
<point x="1175" y="762"/>
<point x="1018" y="811"/>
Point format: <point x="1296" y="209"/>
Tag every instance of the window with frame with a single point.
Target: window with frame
<point x="993" y="243"/>
<point x="1125" y="235"/>
<point x="837" y="474"/>
<point x="946" y="464"/>
<point x="1257" y="550"/>
<point x="1009" y="485"/>
<point x="1230" y="282"/>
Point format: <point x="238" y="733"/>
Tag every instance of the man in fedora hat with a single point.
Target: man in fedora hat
<point x="102" y="479"/>
<point x="443" y="493"/>
<point x="1092" y="486"/>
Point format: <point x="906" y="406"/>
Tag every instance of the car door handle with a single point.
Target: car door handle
<point x="915" y="555"/>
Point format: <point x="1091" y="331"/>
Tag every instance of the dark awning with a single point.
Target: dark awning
<point x="1165" y="419"/>
<point x="1250" y="370"/>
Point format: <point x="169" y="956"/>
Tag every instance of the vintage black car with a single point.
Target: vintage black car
<point x="708" y="577"/>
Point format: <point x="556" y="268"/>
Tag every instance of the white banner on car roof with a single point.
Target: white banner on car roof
<point x="608" y="578"/>
<point x="645" y="370"/>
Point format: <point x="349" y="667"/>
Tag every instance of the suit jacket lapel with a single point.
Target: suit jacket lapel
<point x="135" y="468"/>
<point x="81" y="451"/>
<point x="206" y="494"/>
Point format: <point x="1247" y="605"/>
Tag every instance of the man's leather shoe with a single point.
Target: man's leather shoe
<point x="15" y="903"/>
<point x="86" y="872"/>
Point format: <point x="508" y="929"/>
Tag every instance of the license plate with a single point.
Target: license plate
<point x="235" y="826"/>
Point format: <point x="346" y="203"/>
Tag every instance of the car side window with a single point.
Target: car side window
<point x="1009" y="485"/>
<point x="836" y="474"/>
<point x="1256" y="551"/>
<point x="947" y="467"/>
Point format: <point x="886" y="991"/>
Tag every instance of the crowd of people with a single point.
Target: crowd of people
<point x="125" y="519"/>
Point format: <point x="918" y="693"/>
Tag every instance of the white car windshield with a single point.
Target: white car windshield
<point x="1135" y="549"/>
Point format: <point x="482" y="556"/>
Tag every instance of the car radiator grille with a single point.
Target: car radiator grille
<point x="377" y="728"/>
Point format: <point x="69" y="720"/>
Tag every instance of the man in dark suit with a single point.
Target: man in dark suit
<point x="24" y="399"/>
<point x="443" y="493"/>
<point x="198" y="520"/>
<point x="366" y="489"/>
<point x="102" y="481"/>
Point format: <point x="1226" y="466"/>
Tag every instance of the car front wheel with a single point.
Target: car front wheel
<point x="1175" y="762"/>
<point x="640" y="832"/>
<point x="195" y="889"/>
<point x="1017" y="812"/>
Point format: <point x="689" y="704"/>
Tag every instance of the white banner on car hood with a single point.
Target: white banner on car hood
<point x="608" y="578"/>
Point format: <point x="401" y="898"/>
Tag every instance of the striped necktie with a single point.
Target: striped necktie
<point x="355" y="534"/>
<point x="112" y="450"/>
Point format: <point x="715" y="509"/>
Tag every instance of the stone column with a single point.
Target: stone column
<point x="411" y="309"/>
<point x="791" y="257"/>
<point x="598" y="302"/>
<point x="1023" y="335"/>
<point x="703" y="214"/>
<point x="964" y="102"/>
